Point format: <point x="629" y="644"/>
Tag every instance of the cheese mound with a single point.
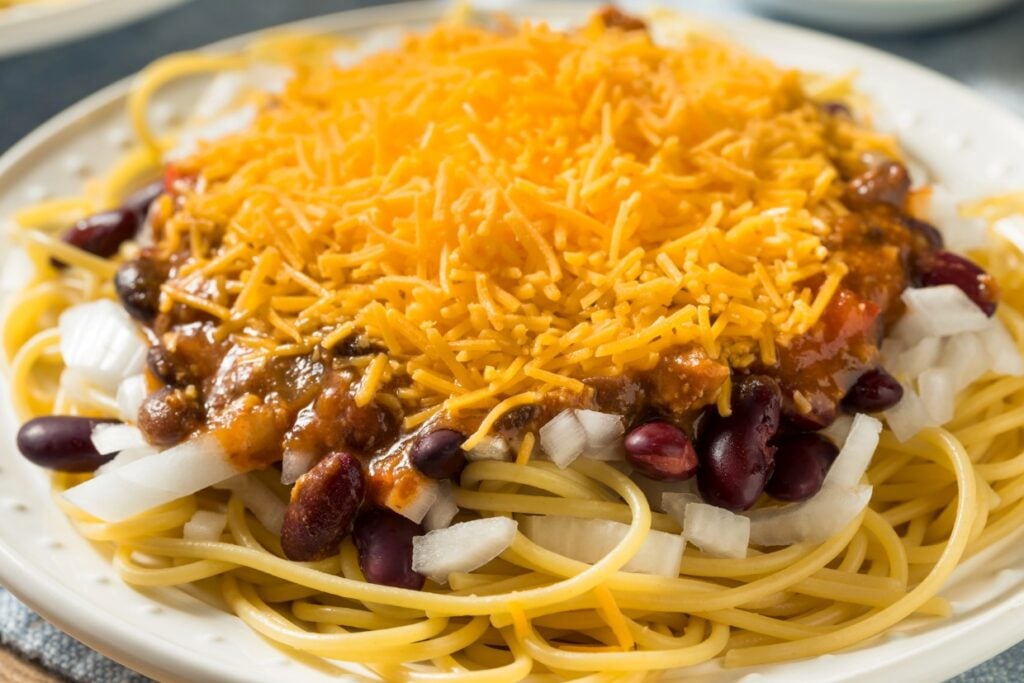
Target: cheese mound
<point x="507" y="211"/>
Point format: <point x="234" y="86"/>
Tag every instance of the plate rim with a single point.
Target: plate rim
<point x="73" y="21"/>
<point x="170" y="661"/>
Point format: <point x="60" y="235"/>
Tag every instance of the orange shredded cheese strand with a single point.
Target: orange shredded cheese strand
<point x="525" y="450"/>
<point x="508" y="226"/>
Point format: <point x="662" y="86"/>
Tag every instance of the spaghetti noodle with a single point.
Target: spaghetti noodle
<point x="478" y="234"/>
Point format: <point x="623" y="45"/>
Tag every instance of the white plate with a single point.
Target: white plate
<point x="969" y="143"/>
<point x="883" y="16"/>
<point x="45" y="22"/>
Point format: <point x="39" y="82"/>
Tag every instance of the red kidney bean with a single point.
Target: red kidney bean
<point x="735" y="456"/>
<point x="323" y="506"/>
<point x="384" y="541"/>
<point x="102" y="234"/>
<point x="62" y="442"/>
<point x="438" y="454"/>
<point x="836" y="109"/>
<point x="168" y="415"/>
<point x="801" y="463"/>
<point x="947" y="268"/>
<point x="887" y="183"/>
<point x="875" y="390"/>
<point x="140" y="200"/>
<point x="662" y="451"/>
<point x="138" y="287"/>
<point x="928" y="232"/>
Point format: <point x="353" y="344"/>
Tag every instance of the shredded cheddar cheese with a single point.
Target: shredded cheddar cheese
<point x="509" y="212"/>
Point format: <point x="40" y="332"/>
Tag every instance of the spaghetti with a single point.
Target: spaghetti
<point x="479" y="238"/>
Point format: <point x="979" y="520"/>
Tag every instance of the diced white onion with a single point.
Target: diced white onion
<point x="938" y="394"/>
<point x="259" y="500"/>
<point x="112" y="438"/>
<point x="939" y="311"/>
<point x="589" y="540"/>
<point x="965" y="357"/>
<point x="909" y="416"/>
<point x="655" y="490"/>
<point x="121" y="493"/>
<point x="222" y="126"/>
<point x="813" y="521"/>
<point x="716" y="531"/>
<point x="674" y="503"/>
<point x="856" y="453"/>
<point x="604" y="435"/>
<point x="415" y="507"/>
<point x="131" y="392"/>
<point x="294" y="464"/>
<point x="1011" y="228"/>
<point x="490" y="448"/>
<point x="461" y="547"/>
<point x="100" y="341"/>
<point x="563" y="438"/>
<point x="1001" y="350"/>
<point x="838" y="430"/>
<point x="960" y="234"/>
<point x="444" y="509"/>
<point x="127" y="456"/>
<point x="228" y="87"/>
<point x="205" y="525"/>
<point x="916" y="359"/>
<point x="370" y="44"/>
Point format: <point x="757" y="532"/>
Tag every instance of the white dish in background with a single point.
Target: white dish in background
<point x="968" y="143"/>
<point x="45" y="22"/>
<point x="881" y="16"/>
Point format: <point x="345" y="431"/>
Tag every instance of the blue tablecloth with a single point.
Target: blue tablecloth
<point x="987" y="54"/>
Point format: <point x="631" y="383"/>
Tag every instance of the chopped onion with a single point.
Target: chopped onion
<point x="121" y="493"/>
<point x="838" y="430"/>
<point x="1001" y="349"/>
<point x="222" y="126"/>
<point x="125" y="457"/>
<point x="563" y="438"/>
<point x="891" y="348"/>
<point x="100" y="341"/>
<point x="855" y="455"/>
<point x="940" y="311"/>
<point x="462" y="547"/>
<point x="370" y="44"/>
<point x="1011" y="228"/>
<point x="938" y="393"/>
<point x="111" y="438"/>
<point x="131" y="392"/>
<point x="909" y="416"/>
<point x="294" y="464"/>
<point x="444" y="509"/>
<point x="259" y="500"/>
<point x="960" y="234"/>
<point x="604" y="434"/>
<point x="716" y="531"/>
<point x="655" y="490"/>
<point x="813" y="521"/>
<point x="490" y="448"/>
<point x="674" y="503"/>
<point x="228" y="87"/>
<point x="414" y="507"/>
<point x="589" y="540"/>
<point x="916" y="359"/>
<point x="965" y="357"/>
<point x="205" y="526"/>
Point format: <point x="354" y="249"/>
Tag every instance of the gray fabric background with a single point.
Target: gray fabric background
<point x="987" y="54"/>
